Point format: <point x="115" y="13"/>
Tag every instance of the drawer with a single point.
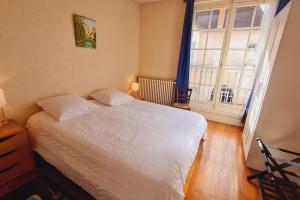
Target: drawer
<point x="14" y="157"/>
<point x="11" y="128"/>
<point x="16" y="171"/>
<point x="14" y="142"/>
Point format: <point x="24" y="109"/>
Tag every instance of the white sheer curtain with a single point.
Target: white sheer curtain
<point x="270" y="9"/>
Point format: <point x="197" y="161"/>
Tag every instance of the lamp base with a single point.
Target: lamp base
<point x="4" y="121"/>
<point x="135" y="94"/>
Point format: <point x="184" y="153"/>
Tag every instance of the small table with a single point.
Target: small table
<point x="16" y="160"/>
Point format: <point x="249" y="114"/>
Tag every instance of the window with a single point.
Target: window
<point x="258" y="16"/>
<point x="223" y="55"/>
<point x="207" y="44"/>
<point x="212" y="19"/>
<point x="202" y="19"/>
<point x="243" y="17"/>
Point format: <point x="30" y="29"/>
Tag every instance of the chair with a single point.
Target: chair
<point x="276" y="181"/>
<point x="183" y="96"/>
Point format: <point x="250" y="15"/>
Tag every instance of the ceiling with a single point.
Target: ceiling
<point x="146" y="1"/>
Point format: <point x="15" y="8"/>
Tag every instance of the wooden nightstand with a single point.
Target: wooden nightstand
<point x="16" y="157"/>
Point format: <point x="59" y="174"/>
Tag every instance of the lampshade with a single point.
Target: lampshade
<point x="2" y="98"/>
<point x="135" y="87"/>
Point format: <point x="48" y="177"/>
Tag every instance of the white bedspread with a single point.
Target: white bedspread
<point x="133" y="151"/>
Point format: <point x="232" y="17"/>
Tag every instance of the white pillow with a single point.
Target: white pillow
<point x="112" y="97"/>
<point x="66" y="107"/>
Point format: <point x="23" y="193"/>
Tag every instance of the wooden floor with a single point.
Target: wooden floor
<point x="219" y="170"/>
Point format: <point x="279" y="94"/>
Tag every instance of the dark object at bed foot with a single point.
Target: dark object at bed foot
<point x="50" y="184"/>
<point x="276" y="181"/>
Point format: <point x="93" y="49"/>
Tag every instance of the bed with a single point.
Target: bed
<point x="138" y="150"/>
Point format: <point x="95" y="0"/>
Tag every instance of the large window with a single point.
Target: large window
<point x="207" y="44"/>
<point x="223" y="56"/>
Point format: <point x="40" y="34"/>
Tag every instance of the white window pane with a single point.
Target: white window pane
<point x="200" y="92"/>
<point x="243" y="17"/>
<point x="197" y="57"/>
<point x="218" y="20"/>
<point x="258" y="16"/>
<point x="209" y="76"/>
<point x="195" y="92"/>
<point x="252" y="56"/>
<point x="231" y="78"/>
<point x="215" y="40"/>
<point x="211" y="93"/>
<point x="199" y="39"/>
<point x="195" y="75"/>
<point x="192" y="74"/>
<point x="251" y="67"/>
<point x="204" y="76"/>
<point x="248" y="79"/>
<point x="254" y="37"/>
<point x="239" y="39"/>
<point x="213" y="80"/>
<point x="238" y="67"/>
<point x="202" y="19"/>
<point x="212" y="57"/>
<point x="198" y="75"/>
<point x="243" y="97"/>
<point x="214" y="19"/>
<point x="235" y="57"/>
<point x="207" y="93"/>
<point x="191" y="85"/>
<point x="204" y="93"/>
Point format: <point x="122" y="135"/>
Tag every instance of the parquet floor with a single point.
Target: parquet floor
<point x="219" y="170"/>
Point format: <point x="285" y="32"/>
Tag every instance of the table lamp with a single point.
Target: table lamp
<point x="135" y="88"/>
<point x="2" y="104"/>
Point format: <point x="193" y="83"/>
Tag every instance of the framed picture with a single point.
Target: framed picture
<point x="85" y="31"/>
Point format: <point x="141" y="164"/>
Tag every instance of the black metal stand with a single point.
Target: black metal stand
<point x="275" y="182"/>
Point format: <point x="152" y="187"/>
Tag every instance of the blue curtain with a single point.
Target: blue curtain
<point x="244" y="117"/>
<point x="281" y="5"/>
<point x="247" y="107"/>
<point x="183" y="70"/>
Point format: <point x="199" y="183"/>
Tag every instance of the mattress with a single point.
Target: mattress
<point x="138" y="150"/>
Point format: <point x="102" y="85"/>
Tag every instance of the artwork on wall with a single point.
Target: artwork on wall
<point x="85" y="31"/>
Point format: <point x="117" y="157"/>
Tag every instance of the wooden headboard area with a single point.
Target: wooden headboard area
<point x="39" y="58"/>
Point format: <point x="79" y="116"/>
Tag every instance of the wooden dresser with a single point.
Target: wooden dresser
<point x="15" y="154"/>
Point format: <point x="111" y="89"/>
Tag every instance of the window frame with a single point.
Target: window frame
<point x="231" y="12"/>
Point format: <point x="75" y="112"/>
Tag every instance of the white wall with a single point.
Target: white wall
<point x="279" y="121"/>
<point x="161" y="28"/>
<point x="38" y="56"/>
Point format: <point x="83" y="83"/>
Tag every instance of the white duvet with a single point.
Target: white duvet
<point x="133" y="151"/>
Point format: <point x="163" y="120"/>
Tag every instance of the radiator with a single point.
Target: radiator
<point x="157" y="91"/>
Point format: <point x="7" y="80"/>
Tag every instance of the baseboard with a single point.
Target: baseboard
<point x="220" y="118"/>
